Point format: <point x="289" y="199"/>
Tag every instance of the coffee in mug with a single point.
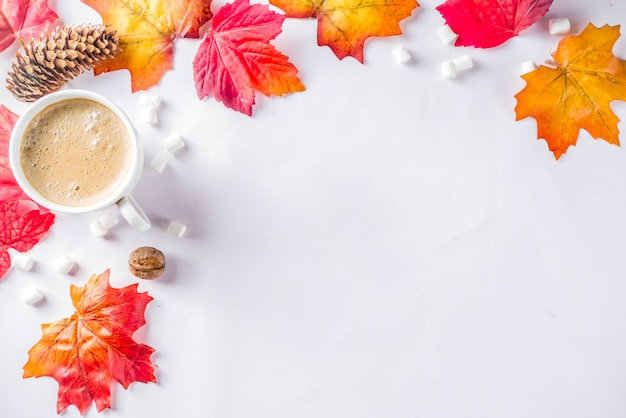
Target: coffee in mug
<point x="75" y="152"/>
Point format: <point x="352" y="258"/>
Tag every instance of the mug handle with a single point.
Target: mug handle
<point x="133" y="214"/>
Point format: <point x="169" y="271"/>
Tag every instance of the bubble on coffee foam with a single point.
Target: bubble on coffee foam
<point x="94" y="115"/>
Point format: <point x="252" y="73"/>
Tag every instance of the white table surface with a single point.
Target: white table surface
<point x="387" y="243"/>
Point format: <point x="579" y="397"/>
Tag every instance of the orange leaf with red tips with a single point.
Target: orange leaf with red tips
<point x="236" y="58"/>
<point x="345" y="25"/>
<point x="577" y="93"/>
<point x="147" y="31"/>
<point x="24" y="19"/>
<point x="87" y="351"/>
<point x="22" y="226"/>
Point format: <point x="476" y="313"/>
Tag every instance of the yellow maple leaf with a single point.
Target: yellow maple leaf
<point x="344" y="25"/>
<point x="147" y="31"/>
<point x="577" y="93"/>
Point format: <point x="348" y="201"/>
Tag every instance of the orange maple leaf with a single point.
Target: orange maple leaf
<point x="344" y="25"/>
<point x="147" y="31"/>
<point x="85" y="352"/>
<point x="577" y="93"/>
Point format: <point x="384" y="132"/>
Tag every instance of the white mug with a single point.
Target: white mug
<point x="33" y="126"/>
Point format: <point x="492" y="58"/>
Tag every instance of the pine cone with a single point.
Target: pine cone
<point x="46" y="64"/>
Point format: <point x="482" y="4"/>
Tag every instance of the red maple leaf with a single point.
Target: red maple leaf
<point x="24" y="19"/>
<point x="9" y="189"/>
<point x="236" y="58"/>
<point x="489" y="23"/>
<point x="21" y="227"/>
<point x="87" y="351"/>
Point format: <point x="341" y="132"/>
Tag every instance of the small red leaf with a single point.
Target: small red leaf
<point x="236" y="58"/>
<point x="24" y="19"/>
<point x="489" y="23"/>
<point x="21" y="227"/>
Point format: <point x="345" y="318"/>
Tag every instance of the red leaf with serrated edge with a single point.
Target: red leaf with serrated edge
<point x="24" y="19"/>
<point x="86" y="352"/>
<point x="236" y="58"/>
<point x="21" y="227"/>
<point x="489" y="23"/>
<point x="9" y="189"/>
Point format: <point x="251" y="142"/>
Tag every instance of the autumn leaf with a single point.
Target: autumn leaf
<point x="147" y="31"/>
<point x="577" y="93"/>
<point x="22" y="225"/>
<point x="236" y="58"/>
<point x="24" y="19"/>
<point x="87" y="351"/>
<point x="9" y="189"/>
<point x="345" y="25"/>
<point x="489" y="23"/>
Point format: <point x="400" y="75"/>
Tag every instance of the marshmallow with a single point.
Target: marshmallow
<point x="447" y="35"/>
<point x="559" y="26"/>
<point x="159" y="163"/>
<point x="98" y="229"/>
<point x="22" y="261"/>
<point x="32" y="296"/>
<point x="109" y="220"/>
<point x="149" y="115"/>
<point x="65" y="265"/>
<point x="149" y="100"/>
<point x="173" y="143"/>
<point x="463" y="63"/>
<point x="401" y="54"/>
<point x="176" y="229"/>
<point x="528" y="66"/>
<point x="448" y="70"/>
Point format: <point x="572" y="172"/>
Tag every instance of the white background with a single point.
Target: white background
<point x="387" y="243"/>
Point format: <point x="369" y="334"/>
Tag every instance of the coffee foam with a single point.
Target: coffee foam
<point x="75" y="152"/>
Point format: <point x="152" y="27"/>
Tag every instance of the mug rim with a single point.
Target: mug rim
<point x="126" y="183"/>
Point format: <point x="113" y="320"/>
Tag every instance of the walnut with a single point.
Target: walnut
<point x="146" y="263"/>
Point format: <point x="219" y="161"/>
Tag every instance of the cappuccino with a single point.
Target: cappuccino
<point x="75" y="152"/>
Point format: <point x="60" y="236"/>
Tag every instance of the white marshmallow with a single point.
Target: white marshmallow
<point x="176" y="229"/>
<point x="149" y="115"/>
<point x="528" y="66"/>
<point x="560" y="26"/>
<point x="22" y="261"/>
<point x="173" y="143"/>
<point x="447" y="35"/>
<point x="149" y="100"/>
<point x="98" y="228"/>
<point x="109" y="220"/>
<point x="159" y="163"/>
<point x="401" y="54"/>
<point x="32" y="296"/>
<point x="463" y="63"/>
<point x="65" y="265"/>
<point x="448" y="70"/>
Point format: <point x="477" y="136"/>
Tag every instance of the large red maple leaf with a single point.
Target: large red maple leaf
<point x="489" y="23"/>
<point x="20" y="19"/>
<point x="21" y="227"/>
<point x="87" y="351"/>
<point x="236" y="58"/>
